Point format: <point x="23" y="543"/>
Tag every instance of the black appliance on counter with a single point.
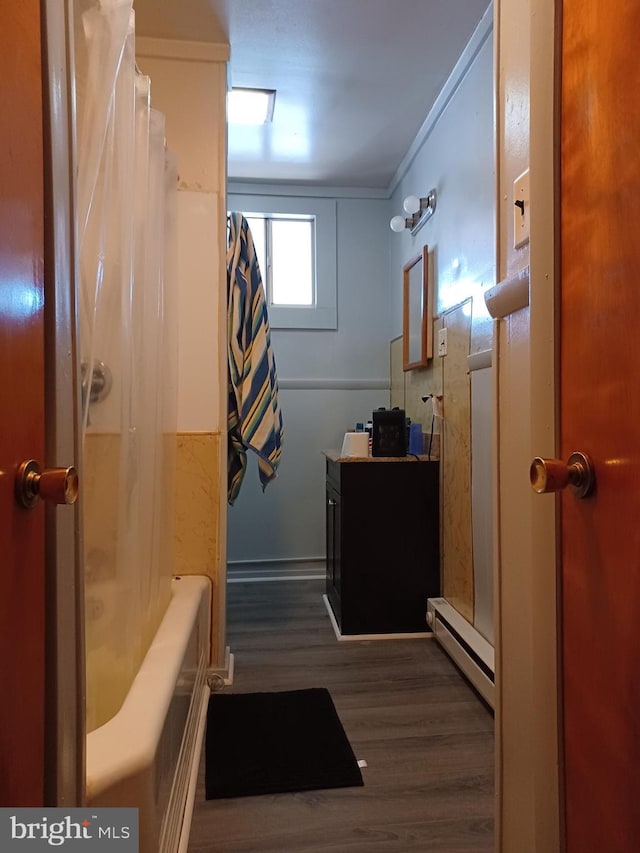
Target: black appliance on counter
<point x="389" y="435"/>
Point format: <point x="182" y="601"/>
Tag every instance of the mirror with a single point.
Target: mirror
<point x="416" y="322"/>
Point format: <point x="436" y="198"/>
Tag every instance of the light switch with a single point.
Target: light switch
<point x="521" y="210"/>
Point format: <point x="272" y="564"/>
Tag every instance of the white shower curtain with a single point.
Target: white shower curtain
<point x="126" y="189"/>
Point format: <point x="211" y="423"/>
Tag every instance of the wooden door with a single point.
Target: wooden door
<point x="600" y="415"/>
<point x="22" y="579"/>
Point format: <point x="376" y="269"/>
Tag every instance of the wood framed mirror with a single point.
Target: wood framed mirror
<point x="416" y="323"/>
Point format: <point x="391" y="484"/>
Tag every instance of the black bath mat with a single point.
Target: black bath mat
<point x="266" y="743"/>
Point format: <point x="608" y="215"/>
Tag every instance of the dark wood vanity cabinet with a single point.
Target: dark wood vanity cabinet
<point x="383" y="554"/>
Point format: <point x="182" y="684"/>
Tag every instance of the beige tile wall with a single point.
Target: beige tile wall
<point x="197" y="504"/>
<point x="447" y="377"/>
<point x="101" y="501"/>
<point x="397" y="374"/>
<point x="198" y="499"/>
<point x="117" y="567"/>
<point x="455" y="495"/>
<point x="407" y="390"/>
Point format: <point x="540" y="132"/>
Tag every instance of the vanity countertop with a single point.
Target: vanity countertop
<point x="334" y="456"/>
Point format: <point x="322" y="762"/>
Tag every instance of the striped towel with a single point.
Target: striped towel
<point x="254" y="417"/>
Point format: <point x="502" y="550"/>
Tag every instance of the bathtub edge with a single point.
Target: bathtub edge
<point x="135" y="746"/>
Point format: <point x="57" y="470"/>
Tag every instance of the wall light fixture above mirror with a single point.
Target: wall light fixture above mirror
<point x="418" y="211"/>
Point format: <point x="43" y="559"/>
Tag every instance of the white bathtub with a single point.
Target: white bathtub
<point x="147" y="755"/>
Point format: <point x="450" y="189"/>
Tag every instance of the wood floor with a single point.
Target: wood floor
<point x="426" y="737"/>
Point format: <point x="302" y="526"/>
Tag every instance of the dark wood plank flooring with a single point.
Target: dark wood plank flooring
<point x="426" y="737"/>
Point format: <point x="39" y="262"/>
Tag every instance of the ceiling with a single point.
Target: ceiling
<point x="355" y="79"/>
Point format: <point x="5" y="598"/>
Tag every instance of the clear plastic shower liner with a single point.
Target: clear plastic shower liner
<point x="126" y="244"/>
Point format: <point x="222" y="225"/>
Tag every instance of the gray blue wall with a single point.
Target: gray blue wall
<point x="455" y="154"/>
<point x="329" y="379"/>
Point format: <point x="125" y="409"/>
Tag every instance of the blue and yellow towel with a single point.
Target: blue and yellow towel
<point x="254" y="417"/>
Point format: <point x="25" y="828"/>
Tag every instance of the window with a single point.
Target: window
<point x="295" y="241"/>
<point x="285" y="246"/>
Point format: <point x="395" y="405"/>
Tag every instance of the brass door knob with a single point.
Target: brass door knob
<point x="552" y="475"/>
<point x="56" y="485"/>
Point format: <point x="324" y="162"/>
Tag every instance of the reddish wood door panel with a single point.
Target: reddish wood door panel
<point x="600" y="415"/>
<point x="21" y="404"/>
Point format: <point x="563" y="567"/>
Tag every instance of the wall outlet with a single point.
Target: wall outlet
<point x="442" y="342"/>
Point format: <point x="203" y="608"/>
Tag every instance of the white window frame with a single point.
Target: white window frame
<point x="324" y="314"/>
<point x="267" y="273"/>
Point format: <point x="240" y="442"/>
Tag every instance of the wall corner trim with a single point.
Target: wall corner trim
<point x="333" y="384"/>
<point x="190" y="51"/>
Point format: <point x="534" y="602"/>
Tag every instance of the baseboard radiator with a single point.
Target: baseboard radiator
<point x="468" y="649"/>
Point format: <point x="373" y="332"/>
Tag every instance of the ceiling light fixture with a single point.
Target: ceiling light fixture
<point x="250" y="106"/>
<point x="419" y="210"/>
